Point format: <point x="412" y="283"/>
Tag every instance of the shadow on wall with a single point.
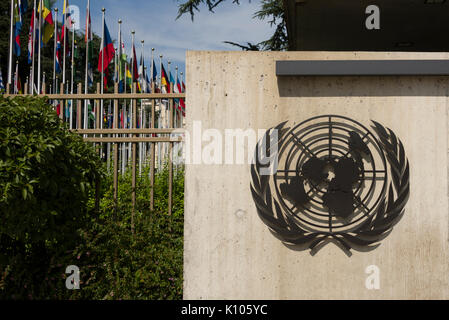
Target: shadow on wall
<point x="362" y="86"/>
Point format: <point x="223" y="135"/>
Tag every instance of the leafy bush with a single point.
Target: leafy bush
<point x="52" y="224"/>
<point x="115" y="264"/>
<point x="47" y="176"/>
<point x="46" y="173"/>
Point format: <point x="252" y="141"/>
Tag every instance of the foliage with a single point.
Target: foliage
<point x="273" y="10"/>
<point x="47" y="176"/>
<point x="115" y="264"/>
<point x="36" y="246"/>
<point x="46" y="173"/>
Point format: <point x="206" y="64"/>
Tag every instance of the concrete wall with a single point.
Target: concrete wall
<point x="230" y="253"/>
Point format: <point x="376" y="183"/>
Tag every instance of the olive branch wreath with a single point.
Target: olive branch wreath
<point x="366" y="237"/>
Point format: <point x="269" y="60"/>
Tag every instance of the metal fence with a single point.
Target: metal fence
<point x="147" y="136"/>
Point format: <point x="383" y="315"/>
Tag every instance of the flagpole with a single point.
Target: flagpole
<point x="132" y="60"/>
<point x="16" y="78"/>
<point x="71" y="73"/>
<point x="39" y="49"/>
<point x="153" y="89"/>
<point x="55" y="48"/>
<point x="102" y="64"/>
<point x="142" y="75"/>
<point x="175" y="86"/>
<point x="86" y="81"/>
<point x="103" y="10"/>
<point x="119" y="54"/>
<point x="160" y="77"/>
<point x="119" y="51"/>
<point x="87" y="47"/>
<point x="168" y="76"/>
<point x="152" y="69"/>
<point x="64" y="23"/>
<point x="43" y="81"/>
<point x="160" y="116"/>
<point x="11" y="37"/>
<point x="72" y="69"/>
<point x="182" y="80"/>
<point x="167" y="120"/>
<point x="143" y="87"/>
<point x="131" y="108"/>
<point x="125" y="122"/>
<point x="33" y="46"/>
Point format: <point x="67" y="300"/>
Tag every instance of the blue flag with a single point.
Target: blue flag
<point x="154" y="72"/>
<point x="2" y="86"/>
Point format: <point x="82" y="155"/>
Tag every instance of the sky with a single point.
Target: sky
<point x="154" y="21"/>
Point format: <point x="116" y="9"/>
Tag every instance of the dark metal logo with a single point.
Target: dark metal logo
<point x="336" y="181"/>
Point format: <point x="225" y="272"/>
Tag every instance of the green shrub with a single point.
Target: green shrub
<point x="46" y="173"/>
<point x="51" y="224"/>
<point x="115" y="264"/>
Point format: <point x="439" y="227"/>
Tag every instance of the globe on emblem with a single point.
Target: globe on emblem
<point x="332" y="174"/>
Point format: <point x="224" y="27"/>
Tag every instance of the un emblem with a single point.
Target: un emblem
<point x="336" y="182"/>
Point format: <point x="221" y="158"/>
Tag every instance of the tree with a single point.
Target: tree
<point x="271" y="10"/>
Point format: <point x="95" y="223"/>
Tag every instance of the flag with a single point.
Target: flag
<point x="36" y="33"/>
<point x="67" y="109"/>
<point x="17" y="83"/>
<point x="164" y="80"/>
<point x="181" y="101"/>
<point x="58" y="53"/>
<point x="91" y="111"/>
<point x="75" y="51"/>
<point x="2" y="85"/>
<point x="17" y="28"/>
<point x="129" y="78"/>
<point x="88" y="39"/>
<point x="154" y="77"/>
<point x="181" y="104"/>
<point x="141" y="72"/>
<point x="178" y="86"/>
<point x="23" y="4"/>
<point x="107" y="52"/>
<point x="134" y="66"/>
<point x="172" y="80"/>
<point x="120" y="64"/>
<point x="48" y="25"/>
<point x="105" y="79"/>
<point x="30" y="40"/>
<point x="154" y="72"/>
<point x="148" y="83"/>
<point x="66" y="20"/>
<point x="122" y="70"/>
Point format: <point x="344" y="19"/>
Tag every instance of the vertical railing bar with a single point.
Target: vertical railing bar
<point x="78" y="108"/>
<point x="97" y="117"/>
<point x="134" y="160"/>
<point x="153" y="150"/>
<point x="61" y="102"/>
<point x="170" y="159"/>
<point x="115" y="145"/>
